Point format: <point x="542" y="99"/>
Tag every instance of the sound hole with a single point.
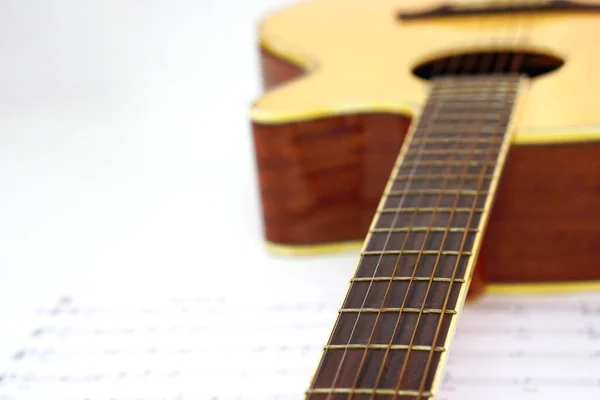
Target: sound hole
<point x="482" y="63"/>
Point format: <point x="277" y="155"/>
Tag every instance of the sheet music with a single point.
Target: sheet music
<point x="247" y="347"/>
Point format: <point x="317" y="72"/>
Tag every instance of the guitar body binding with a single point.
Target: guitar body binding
<point x="321" y="180"/>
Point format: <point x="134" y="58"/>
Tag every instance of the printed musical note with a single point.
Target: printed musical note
<point x="519" y="347"/>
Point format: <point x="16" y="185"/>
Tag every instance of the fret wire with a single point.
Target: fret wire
<point x="398" y="310"/>
<point x="474" y="118"/>
<point x="462" y="102"/>
<point x="408" y="290"/>
<point x="405" y="278"/>
<point x="479" y="80"/>
<point x="442" y="152"/>
<point x="416" y="252"/>
<point x="380" y="255"/>
<point x="489" y="82"/>
<point x="437" y="176"/>
<point x="450" y="147"/>
<point x="450" y="128"/>
<point x="455" y="140"/>
<point x="446" y="93"/>
<point x="449" y="93"/>
<point x="389" y="286"/>
<point x="464" y="93"/>
<point x="486" y="84"/>
<point x="424" y="229"/>
<point x="481" y="108"/>
<point x="476" y="83"/>
<point x="496" y="88"/>
<point x="448" y="163"/>
<point x="436" y="191"/>
<point x="447" y="297"/>
<point x="466" y="103"/>
<point x="424" y="376"/>
<point x="383" y="346"/>
<point x="448" y="155"/>
<point x="396" y="265"/>
<point x="383" y="392"/>
<point x="428" y="209"/>
<point x="415" y="138"/>
<point x="469" y="116"/>
<point x="483" y="87"/>
<point x="399" y="380"/>
<point x="467" y="113"/>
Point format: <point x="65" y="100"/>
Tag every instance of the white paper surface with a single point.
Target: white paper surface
<point x="240" y="347"/>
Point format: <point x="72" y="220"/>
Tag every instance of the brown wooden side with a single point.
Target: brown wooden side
<point x="275" y="70"/>
<point x="321" y="181"/>
<point x="545" y="223"/>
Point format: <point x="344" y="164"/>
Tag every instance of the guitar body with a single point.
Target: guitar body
<point x="342" y="90"/>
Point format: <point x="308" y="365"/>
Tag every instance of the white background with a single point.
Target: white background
<point x="126" y="161"/>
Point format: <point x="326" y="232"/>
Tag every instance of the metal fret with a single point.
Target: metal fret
<point x="423" y="229"/>
<point x="461" y="104"/>
<point x="449" y="163"/>
<point x="411" y="280"/>
<point x="452" y="152"/>
<point x="469" y="116"/>
<point x="446" y="128"/>
<point x="383" y="347"/>
<point x="419" y="141"/>
<point x="406" y="278"/>
<point x="474" y="88"/>
<point x="467" y="96"/>
<point x="380" y="392"/>
<point x="436" y="191"/>
<point x="457" y="146"/>
<point x="452" y="93"/>
<point x="430" y="209"/>
<point x="416" y="252"/>
<point x="396" y="310"/>
<point x="476" y="83"/>
<point x="444" y="170"/>
<point x="440" y="176"/>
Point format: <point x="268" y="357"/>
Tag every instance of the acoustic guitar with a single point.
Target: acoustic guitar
<point x="459" y="146"/>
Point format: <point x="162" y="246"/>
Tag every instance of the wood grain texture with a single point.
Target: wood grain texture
<point x="321" y="181"/>
<point x="545" y="223"/>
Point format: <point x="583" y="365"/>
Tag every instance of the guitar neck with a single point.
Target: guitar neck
<point x="394" y="328"/>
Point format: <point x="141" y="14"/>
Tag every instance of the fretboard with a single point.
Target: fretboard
<point x="392" y="333"/>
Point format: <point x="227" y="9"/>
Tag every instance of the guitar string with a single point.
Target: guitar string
<point x="492" y="150"/>
<point x="387" y="240"/>
<point x="467" y="69"/>
<point x="419" y="261"/>
<point x="518" y="61"/>
<point x="424" y="376"/>
<point x="408" y="361"/>
<point x="457" y="196"/>
<point x="452" y="285"/>
<point x="437" y="67"/>
<point x="396" y="215"/>
<point x="413" y="215"/>
<point x="447" y="170"/>
<point x="407" y="358"/>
